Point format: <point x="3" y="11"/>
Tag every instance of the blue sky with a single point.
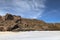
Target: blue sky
<point x="46" y="10"/>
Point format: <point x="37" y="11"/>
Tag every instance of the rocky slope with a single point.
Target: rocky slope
<point x="17" y="23"/>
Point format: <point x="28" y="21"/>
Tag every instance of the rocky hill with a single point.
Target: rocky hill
<point x="17" y="23"/>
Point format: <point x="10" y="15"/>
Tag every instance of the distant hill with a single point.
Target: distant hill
<point x="17" y="23"/>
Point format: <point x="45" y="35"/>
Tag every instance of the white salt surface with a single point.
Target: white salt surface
<point x="32" y="35"/>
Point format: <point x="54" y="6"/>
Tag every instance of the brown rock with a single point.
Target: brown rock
<point x="17" y="19"/>
<point x="16" y="23"/>
<point x="1" y="18"/>
<point x="9" y="17"/>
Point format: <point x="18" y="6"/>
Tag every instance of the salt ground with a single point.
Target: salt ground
<point x="31" y="35"/>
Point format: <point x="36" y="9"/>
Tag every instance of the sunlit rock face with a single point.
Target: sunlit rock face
<point x="15" y="23"/>
<point x="9" y="22"/>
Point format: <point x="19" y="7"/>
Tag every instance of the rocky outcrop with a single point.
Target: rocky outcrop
<point x="17" y="19"/>
<point x="17" y="23"/>
<point x="9" y="17"/>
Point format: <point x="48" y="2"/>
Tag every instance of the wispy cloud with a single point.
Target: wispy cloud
<point x="25" y="8"/>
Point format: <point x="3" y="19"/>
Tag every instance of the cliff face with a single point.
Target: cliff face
<point x="17" y="23"/>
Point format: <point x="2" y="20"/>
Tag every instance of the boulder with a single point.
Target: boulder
<point x="9" y="17"/>
<point x="17" y="19"/>
<point x="12" y="27"/>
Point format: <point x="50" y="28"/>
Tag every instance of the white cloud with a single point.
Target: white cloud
<point x="33" y="8"/>
<point x="25" y="8"/>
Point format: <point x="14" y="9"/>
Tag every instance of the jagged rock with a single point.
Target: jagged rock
<point x="12" y="27"/>
<point x="17" y="19"/>
<point x="9" y="17"/>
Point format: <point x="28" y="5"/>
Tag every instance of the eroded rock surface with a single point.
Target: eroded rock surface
<point x="17" y="23"/>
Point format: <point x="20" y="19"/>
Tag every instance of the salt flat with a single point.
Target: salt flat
<point x="31" y="35"/>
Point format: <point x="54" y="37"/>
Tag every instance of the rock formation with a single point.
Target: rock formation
<point x="17" y="23"/>
<point x="9" y="17"/>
